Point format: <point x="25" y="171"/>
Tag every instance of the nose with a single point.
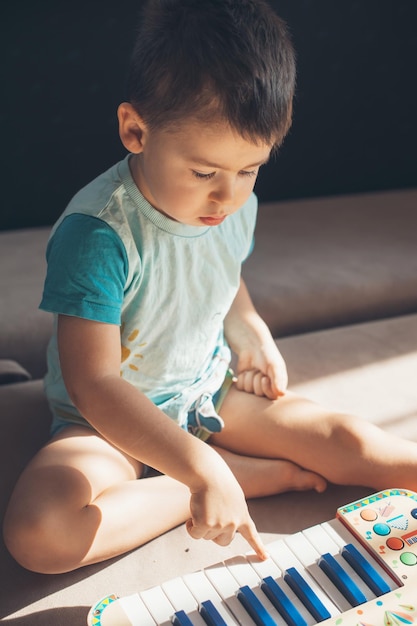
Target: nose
<point x="223" y="192"/>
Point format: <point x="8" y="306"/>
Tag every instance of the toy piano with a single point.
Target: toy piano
<point x="359" y="569"/>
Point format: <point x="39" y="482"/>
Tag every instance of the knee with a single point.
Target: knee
<point x="350" y="432"/>
<point x="37" y="540"/>
<point x="27" y="539"/>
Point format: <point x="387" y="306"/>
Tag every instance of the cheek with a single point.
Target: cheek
<point x="245" y="189"/>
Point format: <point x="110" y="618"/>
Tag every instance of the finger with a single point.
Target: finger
<point x="224" y="539"/>
<point x="278" y="377"/>
<point x="249" y="532"/>
<point x="257" y="384"/>
<point x="245" y="381"/>
<point x="267" y="389"/>
<point x="196" y="532"/>
<point x="239" y="381"/>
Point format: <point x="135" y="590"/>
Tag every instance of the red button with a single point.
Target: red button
<point x="395" y="543"/>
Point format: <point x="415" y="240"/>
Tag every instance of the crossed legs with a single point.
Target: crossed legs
<point x="79" y="501"/>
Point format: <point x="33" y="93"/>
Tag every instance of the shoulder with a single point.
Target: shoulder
<point x="79" y="235"/>
<point x="103" y="197"/>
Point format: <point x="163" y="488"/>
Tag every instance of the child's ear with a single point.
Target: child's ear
<point x="131" y="128"/>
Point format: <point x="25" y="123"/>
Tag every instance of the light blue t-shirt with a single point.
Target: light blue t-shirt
<point x="113" y="258"/>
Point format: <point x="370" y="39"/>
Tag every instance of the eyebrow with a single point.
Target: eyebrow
<point x="217" y="166"/>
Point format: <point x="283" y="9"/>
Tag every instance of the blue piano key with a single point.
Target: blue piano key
<point x="282" y="603"/>
<point x="210" y="614"/>
<point x="341" y="580"/>
<point x="305" y="593"/>
<point x="180" y="618"/>
<point x="365" y="570"/>
<point x="258" y="613"/>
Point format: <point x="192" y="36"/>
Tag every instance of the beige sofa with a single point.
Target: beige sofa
<point x="336" y="280"/>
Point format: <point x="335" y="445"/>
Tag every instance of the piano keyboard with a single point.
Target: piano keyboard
<point x="359" y="569"/>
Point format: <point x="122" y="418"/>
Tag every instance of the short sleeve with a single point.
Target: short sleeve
<point x="87" y="270"/>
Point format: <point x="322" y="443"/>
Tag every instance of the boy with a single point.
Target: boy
<point x="144" y="281"/>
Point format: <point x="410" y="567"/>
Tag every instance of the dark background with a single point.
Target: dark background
<point x="63" y="70"/>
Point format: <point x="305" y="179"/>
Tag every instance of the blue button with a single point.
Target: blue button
<point x="413" y="513"/>
<point x="381" y="529"/>
<point x="341" y="579"/>
<point x="253" y="606"/>
<point x="365" y="570"/>
<point x="305" y="593"/>
<point x="282" y="603"/>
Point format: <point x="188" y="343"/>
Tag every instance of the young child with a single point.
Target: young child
<point x="144" y="281"/>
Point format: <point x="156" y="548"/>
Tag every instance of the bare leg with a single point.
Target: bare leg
<point x="261" y="477"/>
<point x="78" y="502"/>
<point x="341" y="448"/>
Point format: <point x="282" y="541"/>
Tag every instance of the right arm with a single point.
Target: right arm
<point x="90" y="354"/>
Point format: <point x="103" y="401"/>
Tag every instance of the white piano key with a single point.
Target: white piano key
<point x="342" y="536"/>
<point x="136" y="611"/>
<point x="264" y="568"/>
<point x="202" y="590"/>
<point x="301" y="555"/>
<point x="320" y="540"/>
<point x="318" y="536"/>
<point x="158" y="605"/>
<point x="227" y="586"/>
<point x="182" y="599"/>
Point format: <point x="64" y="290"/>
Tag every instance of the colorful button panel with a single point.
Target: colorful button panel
<point x="386" y="522"/>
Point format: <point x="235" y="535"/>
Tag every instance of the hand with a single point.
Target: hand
<point x="261" y="370"/>
<point x="219" y="511"/>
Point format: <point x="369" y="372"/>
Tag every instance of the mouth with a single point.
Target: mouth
<point x="213" y="221"/>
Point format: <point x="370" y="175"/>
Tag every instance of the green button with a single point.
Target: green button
<point x="408" y="558"/>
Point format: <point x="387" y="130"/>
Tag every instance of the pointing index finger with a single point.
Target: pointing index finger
<point x="249" y="532"/>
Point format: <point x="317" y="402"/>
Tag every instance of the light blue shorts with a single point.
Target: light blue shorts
<point x="199" y="425"/>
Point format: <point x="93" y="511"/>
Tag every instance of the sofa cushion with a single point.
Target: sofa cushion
<point x="334" y="261"/>
<point x="24" y="422"/>
<point x="25" y="330"/>
<point x="12" y="372"/>
<point x="367" y="369"/>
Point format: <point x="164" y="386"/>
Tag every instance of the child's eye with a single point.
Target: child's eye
<point x="246" y="173"/>
<point x="202" y="176"/>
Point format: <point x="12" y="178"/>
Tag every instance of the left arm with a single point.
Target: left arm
<point x="260" y="368"/>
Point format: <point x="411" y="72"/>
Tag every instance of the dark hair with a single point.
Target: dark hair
<point x="214" y="59"/>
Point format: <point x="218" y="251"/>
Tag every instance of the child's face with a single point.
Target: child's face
<point x="199" y="174"/>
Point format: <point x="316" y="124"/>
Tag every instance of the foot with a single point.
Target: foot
<point x="266" y="477"/>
